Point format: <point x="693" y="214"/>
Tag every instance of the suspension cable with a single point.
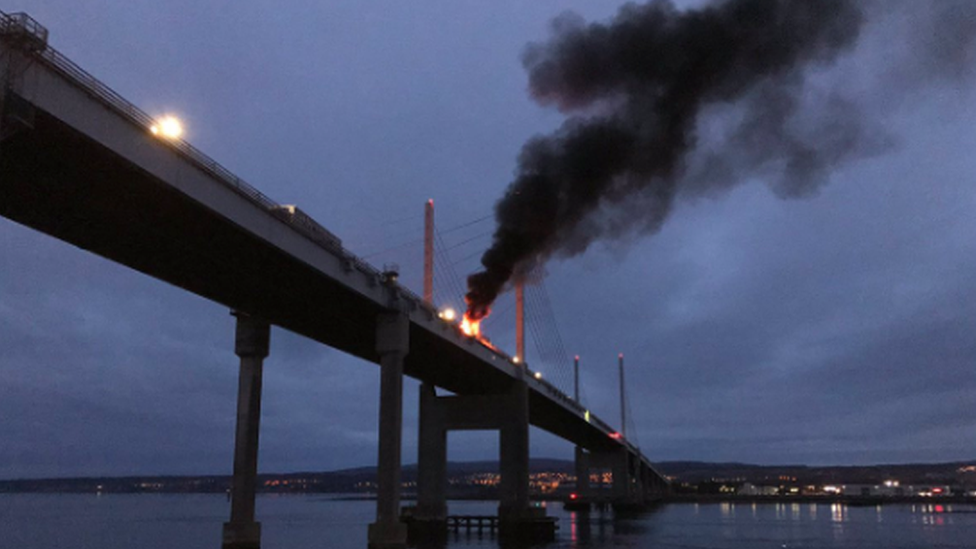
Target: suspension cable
<point x="468" y="224"/>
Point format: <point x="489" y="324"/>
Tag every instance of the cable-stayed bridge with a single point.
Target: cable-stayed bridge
<point x="80" y="163"/>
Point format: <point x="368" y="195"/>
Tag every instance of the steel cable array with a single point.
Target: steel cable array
<point x="552" y="358"/>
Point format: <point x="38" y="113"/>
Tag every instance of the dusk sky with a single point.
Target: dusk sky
<point x="837" y="327"/>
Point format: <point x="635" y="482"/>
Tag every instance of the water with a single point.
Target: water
<point x="31" y="521"/>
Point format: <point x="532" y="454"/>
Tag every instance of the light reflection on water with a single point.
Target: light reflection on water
<point x="194" y="521"/>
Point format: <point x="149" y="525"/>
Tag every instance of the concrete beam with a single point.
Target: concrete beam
<point x="476" y="412"/>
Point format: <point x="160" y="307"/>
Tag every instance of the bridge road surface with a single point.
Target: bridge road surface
<point x="79" y="163"/>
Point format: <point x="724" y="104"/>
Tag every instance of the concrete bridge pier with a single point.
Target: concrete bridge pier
<point x="252" y="341"/>
<point x="625" y="491"/>
<point x="582" y="462"/>
<point x="582" y="492"/>
<point x="392" y="345"/>
<point x="622" y="479"/>
<point x="637" y="472"/>
<point x="430" y="515"/>
<point x="513" y="497"/>
<point x="509" y="414"/>
<point x="517" y="518"/>
<point x="655" y="487"/>
<point x="650" y="490"/>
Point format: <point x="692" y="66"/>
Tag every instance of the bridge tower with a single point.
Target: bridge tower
<point x="429" y="252"/>
<point x="623" y="396"/>
<point x="520" y="320"/>
<point x="576" y="379"/>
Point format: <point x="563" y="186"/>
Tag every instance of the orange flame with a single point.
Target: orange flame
<point x="471" y="328"/>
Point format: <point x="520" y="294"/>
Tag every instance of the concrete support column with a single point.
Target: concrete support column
<point x="621" y="475"/>
<point x="582" y="473"/>
<point x="431" y="459"/>
<point x="252" y="341"/>
<point x="639" y="480"/>
<point x="514" y="446"/>
<point x="392" y="344"/>
<point x="646" y="484"/>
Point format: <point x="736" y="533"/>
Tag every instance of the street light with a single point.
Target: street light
<point x="169" y="127"/>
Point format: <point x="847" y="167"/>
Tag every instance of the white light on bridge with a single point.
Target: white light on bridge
<point x="538" y="375"/>
<point x="169" y="127"/>
<point x="516" y="360"/>
<point x="448" y="314"/>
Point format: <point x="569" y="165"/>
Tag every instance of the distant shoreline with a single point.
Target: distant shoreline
<point x="554" y="479"/>
<point x="679" y="499"/>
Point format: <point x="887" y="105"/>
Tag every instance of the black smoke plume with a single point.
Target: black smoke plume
<point x="636" y="87"/>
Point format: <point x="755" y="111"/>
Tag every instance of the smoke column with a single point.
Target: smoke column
<point x="635" y="88"/>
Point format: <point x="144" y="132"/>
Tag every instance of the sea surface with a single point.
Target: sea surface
<point x="32" y="521"/>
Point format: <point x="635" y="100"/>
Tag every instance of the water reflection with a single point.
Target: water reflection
<point x="579" y="529"/>
<point x="838" y="512"/>
<point x="838" y="515"/>
<point x="727" y="510"/>
<point x="193" y="522"/>
<point x="935" y="514"/>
